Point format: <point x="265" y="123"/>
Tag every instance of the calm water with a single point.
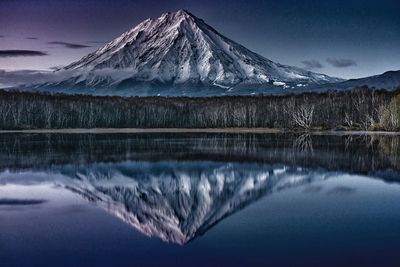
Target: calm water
<point x="199" y="200"/>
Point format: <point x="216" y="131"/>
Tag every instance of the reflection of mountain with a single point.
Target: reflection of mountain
<point x="177" y="186"/>
<point x="175" y="201"/>
<point x="178" y="201"/>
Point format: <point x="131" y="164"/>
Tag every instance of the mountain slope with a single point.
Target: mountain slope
<point x="180" y="50"/>
<point x="388" y="80"/>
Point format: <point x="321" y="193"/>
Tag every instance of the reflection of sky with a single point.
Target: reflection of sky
<point x="318" y="227"/>
<point x="288" y="32"/>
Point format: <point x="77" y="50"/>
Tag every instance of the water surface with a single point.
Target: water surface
<point x="199" y="199"/>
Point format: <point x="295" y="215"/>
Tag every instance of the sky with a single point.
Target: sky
<point x="342" y="38"/>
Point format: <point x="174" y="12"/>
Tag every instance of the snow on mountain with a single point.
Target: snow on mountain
<point x="180" y="50"/>
<point x="179" y="54"/>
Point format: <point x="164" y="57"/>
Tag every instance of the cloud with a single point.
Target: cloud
<point x="55" y="67"/>
<point x="341" y="62"/>
<point x="312" y="64"/>
<point x="96" y="42"/>
<point x="2" y="36"/>
<point x="69" y="45"/>
<point x="20" y="202"/>
<point x="21" y="53"/>
<point x="29" y="77"/>
<point x="31" y="38"/>
<point x="21" y="77"/>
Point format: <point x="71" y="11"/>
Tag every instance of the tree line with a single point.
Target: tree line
<point x="361" y="108"/>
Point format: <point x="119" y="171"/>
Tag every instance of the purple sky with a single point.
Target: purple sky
<point x="349" y="39"/>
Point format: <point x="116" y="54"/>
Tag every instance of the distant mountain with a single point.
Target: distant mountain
<point x="388" y="80"/>
<point x="177" y="54"/>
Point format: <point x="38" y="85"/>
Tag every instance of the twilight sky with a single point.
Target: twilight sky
<point x="344" y="38"/>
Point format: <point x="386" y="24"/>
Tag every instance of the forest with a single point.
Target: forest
<point x="358" y="109"/>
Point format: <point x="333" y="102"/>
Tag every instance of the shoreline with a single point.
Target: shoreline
<point x="194" y="130"/>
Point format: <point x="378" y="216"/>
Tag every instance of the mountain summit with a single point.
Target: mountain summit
<point x="179" y="49"/>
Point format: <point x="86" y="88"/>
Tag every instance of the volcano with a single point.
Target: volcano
<point x="177" y="54"/>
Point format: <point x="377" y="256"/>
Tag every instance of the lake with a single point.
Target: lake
<point x="199" y="199"/>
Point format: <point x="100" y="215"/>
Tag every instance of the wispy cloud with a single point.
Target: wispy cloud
<point x="341" y="62"/>
<point x="2" y="36"/>
<point x="54" y="67"/>
<point x="20" y="202"/>
<point x="21" y="53"/>
<point x="31" y="38"/>
<point x="20" y="77"/>
<point x="69" y="45"/>
<point x="312" y="64"/>
<point x="96" y="42"/>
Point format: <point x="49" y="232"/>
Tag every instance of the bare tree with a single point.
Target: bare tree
<point x="367" y="122"/>
<point x="348" y="120"/>
<point x="303" y="116"/>
<point x="325" y="110"/>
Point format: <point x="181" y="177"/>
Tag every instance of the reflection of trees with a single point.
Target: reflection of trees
<point x="357" y="153"/>
<point x="391" y="148"/>
<point x="303" y="143"/>
<point x="348" y="141"/>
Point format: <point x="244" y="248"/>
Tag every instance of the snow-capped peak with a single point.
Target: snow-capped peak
<point x="179" y="48"/>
